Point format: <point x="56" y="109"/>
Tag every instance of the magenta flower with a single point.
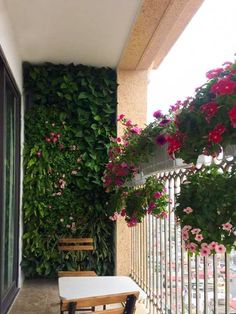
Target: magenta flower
<point x="123" y="212"/>
<point x="157" y="195"/>
<point x="157" y="114"/>
<point x="150" y="208"/>
<point x="136" y="130"/>
<point x="161" y="139"/>
<point x="128" y="123"/>
<point x="133" y="222"/>
<point x="164" y="122"/>
<point x="120" y="117"/>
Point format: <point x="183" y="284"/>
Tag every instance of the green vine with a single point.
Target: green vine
<point x="69" y="119"/>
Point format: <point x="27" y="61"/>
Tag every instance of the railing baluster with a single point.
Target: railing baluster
<point x="171" y="278"/>
<point x="206" y="285"/>
<point x="227" y="310"/>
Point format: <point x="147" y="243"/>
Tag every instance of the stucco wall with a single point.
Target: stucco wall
<point x="132" y="101"/>
<point x="9" y="46"/>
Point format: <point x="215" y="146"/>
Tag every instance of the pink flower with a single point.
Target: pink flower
<point x="115" y="216"/>
<point x="186" y="228"/>
<point x="185" y="235"/>
<point x="120" y="117"/>
<point x="128" y="123"/>
<point x="195" y="230"/>
<point x="227" y="226"/>
<point x="150" y="208"/>
<point x="213" y="245"/>
<point x="205" y="251"/>
<point x="220" y="248"/>
<point x="188" y="210"/>
<point x="118" y="140"/>
<point x="136" y="130"/>
<point x="199" y="237"/>
<point x="192" y="247"/>
<point x="157" y="195"/>
<point x="204" y="245"/>
<point x="213" y="73"/>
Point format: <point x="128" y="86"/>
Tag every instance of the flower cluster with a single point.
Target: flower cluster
<point x="121" y="167"/>
<point x="207" y="122"/>
<point x="135" y="203"/>
<point x="208" y="225"/>
<point x="127" y="152"/>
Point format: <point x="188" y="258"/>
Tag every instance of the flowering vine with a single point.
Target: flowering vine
<point x="135" y="203"/>
<point x="206" y="211"/>
<point x="207" y="122"/>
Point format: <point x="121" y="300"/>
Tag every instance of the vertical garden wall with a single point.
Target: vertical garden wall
<point x="70" y="115"/>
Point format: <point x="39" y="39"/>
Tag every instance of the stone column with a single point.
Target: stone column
<point x="132" y="101"/>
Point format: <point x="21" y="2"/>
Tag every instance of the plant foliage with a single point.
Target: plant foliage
<point x="69" y="119"/>
<point x="206" y="210"/>
<point x="134" y="203"/>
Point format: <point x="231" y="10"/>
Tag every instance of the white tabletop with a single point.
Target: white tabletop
<point x="82" y="287"/>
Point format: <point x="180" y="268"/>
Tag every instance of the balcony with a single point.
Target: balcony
<point x="131" y="38"/>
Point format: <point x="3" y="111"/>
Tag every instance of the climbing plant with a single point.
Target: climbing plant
<point x="70" y="116"/>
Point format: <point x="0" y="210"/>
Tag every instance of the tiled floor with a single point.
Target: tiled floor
<point x="41" y="297"/>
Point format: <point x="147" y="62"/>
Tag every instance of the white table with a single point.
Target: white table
<point x="71" y="288"/>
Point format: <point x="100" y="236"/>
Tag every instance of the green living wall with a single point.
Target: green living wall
<point x="70" y="115"/>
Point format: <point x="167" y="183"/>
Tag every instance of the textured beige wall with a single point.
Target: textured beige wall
<point x="132" y="101"/>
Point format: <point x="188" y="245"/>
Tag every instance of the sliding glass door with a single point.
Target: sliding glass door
<point x="9" y="186"/>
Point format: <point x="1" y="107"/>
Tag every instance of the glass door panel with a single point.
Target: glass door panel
<point x="9" y="186"/>
<point x="8" y="192"/>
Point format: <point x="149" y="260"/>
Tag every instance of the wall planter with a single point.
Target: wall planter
<point x="70" y="117"/>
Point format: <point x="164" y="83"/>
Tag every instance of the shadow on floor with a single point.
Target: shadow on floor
<point x="37" y="296"/>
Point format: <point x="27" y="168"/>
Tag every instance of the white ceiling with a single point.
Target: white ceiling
<point x="92" y="32"/>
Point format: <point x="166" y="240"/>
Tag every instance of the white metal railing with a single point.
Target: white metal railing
<point x="175" y="282"/>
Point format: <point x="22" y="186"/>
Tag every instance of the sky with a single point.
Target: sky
<point x="208" y="41"/>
